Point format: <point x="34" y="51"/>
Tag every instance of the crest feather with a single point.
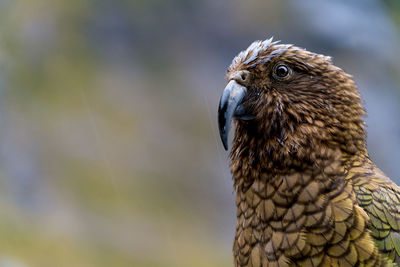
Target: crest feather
<point x="252" y="53"/>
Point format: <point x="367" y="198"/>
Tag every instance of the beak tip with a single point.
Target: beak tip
<point x="224" y="138"/>
<point x="225" y="143"/>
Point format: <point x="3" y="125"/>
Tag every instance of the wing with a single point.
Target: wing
<point x="380" y="198"/>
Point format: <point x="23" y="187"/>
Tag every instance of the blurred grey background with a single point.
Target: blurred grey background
<point x="109" y="148"/>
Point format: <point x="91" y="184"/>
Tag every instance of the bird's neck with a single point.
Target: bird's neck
<point x="285" y="173"/>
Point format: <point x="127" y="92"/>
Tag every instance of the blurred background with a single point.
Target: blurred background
<point x="109" y="148"/>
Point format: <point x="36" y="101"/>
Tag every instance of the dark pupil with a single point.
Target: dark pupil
<point x="282" y="71"/>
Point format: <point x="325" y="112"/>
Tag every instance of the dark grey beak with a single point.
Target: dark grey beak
<point x="230" y="100"/>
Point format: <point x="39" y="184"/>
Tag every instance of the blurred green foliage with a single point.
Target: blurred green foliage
<point x="394" y="9"/>
<point x="97" y="207"/>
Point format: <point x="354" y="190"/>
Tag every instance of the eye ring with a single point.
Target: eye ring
<point x="282" y="72"/>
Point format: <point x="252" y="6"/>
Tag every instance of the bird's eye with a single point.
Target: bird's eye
<point x="282" y="72"/>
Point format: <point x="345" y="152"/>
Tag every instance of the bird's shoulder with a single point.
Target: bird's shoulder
<point x="379" y="197"/>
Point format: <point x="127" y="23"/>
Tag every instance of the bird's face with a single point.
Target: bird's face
<point x="282" y="96"/>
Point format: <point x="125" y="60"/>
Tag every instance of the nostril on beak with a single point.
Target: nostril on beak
<point x="241" y="77"/>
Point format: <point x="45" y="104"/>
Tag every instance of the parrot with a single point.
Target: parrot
<point x="306" y="191"/>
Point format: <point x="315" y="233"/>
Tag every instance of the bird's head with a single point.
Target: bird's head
<point x="286" y="101"/>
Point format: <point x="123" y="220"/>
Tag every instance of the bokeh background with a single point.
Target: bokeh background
<point x="109" y="149"/>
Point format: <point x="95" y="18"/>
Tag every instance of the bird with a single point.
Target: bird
<point x="307" y="192"/>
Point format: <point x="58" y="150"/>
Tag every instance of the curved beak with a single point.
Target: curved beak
<point x="230" y="100"/>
